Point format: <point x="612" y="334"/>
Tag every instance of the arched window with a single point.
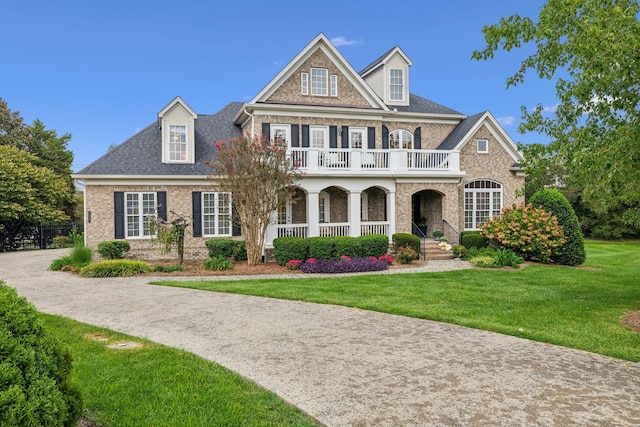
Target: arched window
<point x="482" y="200"/>
<point x="401" y="139"/>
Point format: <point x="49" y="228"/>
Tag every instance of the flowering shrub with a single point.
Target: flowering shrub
<point x="351" y="265"/>
<point x="531" y="232"/>
<point x="293" y="264"/>
<point x="386" y="258"/>
<point x="406" y="254"/>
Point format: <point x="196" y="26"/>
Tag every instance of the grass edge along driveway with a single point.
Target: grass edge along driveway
<point x="568" y="306"/>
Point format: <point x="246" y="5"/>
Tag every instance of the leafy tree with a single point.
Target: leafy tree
<point x="29" y="194"/>
<point x="258" y="173"/>
<point x="592" y="50"/>
<point x="552" y="200"/>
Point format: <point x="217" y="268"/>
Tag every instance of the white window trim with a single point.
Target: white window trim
<point x="402" y="86"/>
<point x="474" y="209"/>
<point x="304" y="83"/>
<point x="140" y="215"/>
<point x="324" y="196"/>
<point x="216" y="215"/>
<point x="185" y="143"/>
<point x="325" y="130"/>
<point x="325" y="86"/>
<point x="486" y="142"/>
<point x="334" y="85"/>
<point x="363" y="132"/>
<point x="402" y="144"/>
<point x="286" y="128"/>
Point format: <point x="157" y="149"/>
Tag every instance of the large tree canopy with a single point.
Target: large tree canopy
<point x="591" y="48"/>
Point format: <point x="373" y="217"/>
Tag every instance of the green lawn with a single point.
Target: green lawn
<point x="162" y="386"/>
<point x="573" y="307"/>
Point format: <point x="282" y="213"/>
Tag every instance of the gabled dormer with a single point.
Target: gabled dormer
<point x="388" y="76"/>
<point x="177" y="122"/>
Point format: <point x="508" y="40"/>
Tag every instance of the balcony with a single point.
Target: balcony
<point x="340" y="160"/>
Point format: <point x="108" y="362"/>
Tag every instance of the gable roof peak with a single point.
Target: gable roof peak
<point x="384" y="58"/>
<point x="176" y="101"/>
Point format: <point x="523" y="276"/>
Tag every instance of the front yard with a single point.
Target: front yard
<point x="579" y="307"/>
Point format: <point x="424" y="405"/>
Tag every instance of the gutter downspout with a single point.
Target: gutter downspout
<point x="253" y="131"/>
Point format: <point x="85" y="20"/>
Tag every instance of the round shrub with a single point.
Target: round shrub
<point x="473" y="239"/>
<point x="373" y="245"/>
<point x="115" y="268"/>
<point x="406" y="254"/>
<point x="240" y="251"/>
<point x="459" y="251"/>
<point x="220" y="247"/>
<point x="287" y="248"/>
<point x="531" y="232"/>
<point x="572" y="253"/>
<point x="35" y="371"/>
<point x="405" y="239"/>
<point x="346" y="245"/>
<point x="321" y="247"/>
<point x="113" y="249"/>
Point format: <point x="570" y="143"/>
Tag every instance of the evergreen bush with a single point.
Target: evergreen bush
<point x="113" y="249"/>
<point x="373" y="245"/>
<point x="405" y="239"/>
<point x="346" y="245"/>
<point x="474" y="239"/>
<point x="321" y="247"/>
<point x="287" y="248"/>
<point x="35" y="371"/>
<point x="553" y="201"/>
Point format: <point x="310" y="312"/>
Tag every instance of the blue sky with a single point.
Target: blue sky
<point x="102" y="70"/>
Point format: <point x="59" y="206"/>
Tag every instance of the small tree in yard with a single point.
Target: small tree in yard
<point x="258" y="173"/>
<point x="171" y="233"/>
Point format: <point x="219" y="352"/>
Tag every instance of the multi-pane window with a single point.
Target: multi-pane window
<point x="280" y="133"/>
<point x="356" y="138"/>
<point x="141" y="209"/>
<point x="319" y="81"/>
<point x="216" y="214"/>
<point x="401" y="139"/>
<point x="318" y="136"/>
<point x="304" y="83"/>
<point x="396" y="84"/>
<point x="177" y="143"/>
<point x="334" y="85"/>
<point x="482" y="200"/>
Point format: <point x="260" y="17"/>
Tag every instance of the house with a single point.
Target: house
<point x="376" y="159"/>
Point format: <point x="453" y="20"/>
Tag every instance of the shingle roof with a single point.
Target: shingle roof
<point x="142" y="153"/>
<point x="459" y="132"/>
<point x="377" y="62"/>
<point x="417" y="104"/>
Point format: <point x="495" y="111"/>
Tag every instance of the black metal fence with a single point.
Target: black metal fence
<point x="42" y="236"/>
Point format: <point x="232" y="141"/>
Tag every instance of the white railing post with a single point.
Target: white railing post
<point x="454" y="161"/>
<point x="313" y="158"/>
<point x="356" y="160"/>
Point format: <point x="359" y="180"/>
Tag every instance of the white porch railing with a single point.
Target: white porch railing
<point x="295" y="230"/>
<point x="374" y="227"/>
<point x="334" y="229"/>
<point x="341" y="159"/>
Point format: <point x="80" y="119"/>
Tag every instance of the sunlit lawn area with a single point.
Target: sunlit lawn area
<point x="573" y="307"/>
<point x="160" y="386"/>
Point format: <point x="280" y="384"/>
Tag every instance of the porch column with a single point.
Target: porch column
<point x="391" y="212"/>
<point x="313" y="213"/>
<point x="272" y="230"/>
<point x="354" y="213"/>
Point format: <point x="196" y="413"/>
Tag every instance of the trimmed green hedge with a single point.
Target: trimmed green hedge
<point x="227" y="248"/>
<point x="474" y="239"/>
<point x="288" y="248"/>
<point x="35" y="371"/>
<point x="113" y="249"/>
<point x="401" y="240"/>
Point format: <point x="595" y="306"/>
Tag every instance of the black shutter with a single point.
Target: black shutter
<point x="161" y="201"/>
<point x="333" y="137"/>
<point x="266" y="130"/>
<point x="295" y="136"/>
<point x="385" y="138"/>
<point x="371" y="137"/>
<point x="118" y="213"/>
<point x="417" y="139"/>
<point x="196" y="213"/>
<point x="305" y="136"/>
<point x="345" y="136"/>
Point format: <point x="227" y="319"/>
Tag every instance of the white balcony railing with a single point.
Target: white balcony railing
<point x="296" y="230"/>
<point x="334" y="229"/>
<point x="342" y="159"/>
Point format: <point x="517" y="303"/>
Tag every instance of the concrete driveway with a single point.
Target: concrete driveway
<point x="348" y="367"/>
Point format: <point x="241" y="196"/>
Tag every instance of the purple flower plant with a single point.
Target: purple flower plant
<point x="354" y="265"/>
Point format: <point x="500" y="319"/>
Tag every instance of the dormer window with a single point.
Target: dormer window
<point x="396" y="84"/>
<point x="177" y="143"/>
<point x="319" y="81"/>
